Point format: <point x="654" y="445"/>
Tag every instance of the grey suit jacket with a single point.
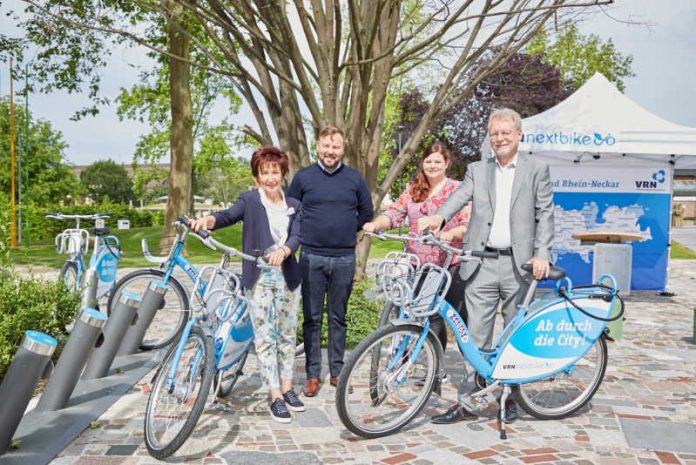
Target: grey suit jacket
<point x="531" y="215"/>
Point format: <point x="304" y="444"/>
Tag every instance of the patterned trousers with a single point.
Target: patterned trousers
<point x="274" y="317"/>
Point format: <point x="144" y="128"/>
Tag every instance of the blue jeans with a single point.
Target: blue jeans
<point x="330" y="278"/>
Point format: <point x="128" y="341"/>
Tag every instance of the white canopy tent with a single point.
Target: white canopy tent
<point x="597" y="123"/>
<point x="612" y="164"/>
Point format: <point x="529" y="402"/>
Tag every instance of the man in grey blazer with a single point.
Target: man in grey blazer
<point x="512" y="216"/>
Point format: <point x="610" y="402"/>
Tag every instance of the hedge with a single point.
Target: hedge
<point x="45" y="229"/>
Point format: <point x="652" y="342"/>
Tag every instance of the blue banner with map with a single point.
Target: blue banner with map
<point x="620" y="200"/>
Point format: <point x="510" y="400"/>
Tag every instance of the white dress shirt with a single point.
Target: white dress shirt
<point x="278" y="218"/>
<point x="500" y="237"/>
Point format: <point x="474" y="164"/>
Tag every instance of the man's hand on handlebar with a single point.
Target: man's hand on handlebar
<point x="433" y="223"/>
<point x="370" y="227"/>
<point x="448" y="236"/>
<point x="540" y="267"/>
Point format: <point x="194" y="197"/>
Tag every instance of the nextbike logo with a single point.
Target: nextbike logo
<point x="597" y="139"/>
<point x="657" y="178"/>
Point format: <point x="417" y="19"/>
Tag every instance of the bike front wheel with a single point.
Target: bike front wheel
<point x="229" y="377"/>
<point x="567" y="391"/>
<point x="174" y="407"/>
<point x="387" y="380"/>
<point x="389" y="312"/>
<point x="170" y="319"/>
<point x="68" y="276"/>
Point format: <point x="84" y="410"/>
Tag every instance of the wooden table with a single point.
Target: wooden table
<point x="606" y="237"/>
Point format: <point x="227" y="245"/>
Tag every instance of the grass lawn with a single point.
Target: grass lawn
<point x="679" y="251"/>
<point x="44" y="254"/>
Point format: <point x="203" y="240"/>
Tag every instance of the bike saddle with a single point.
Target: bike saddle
<point x="555" y="273"/>
<point x="101" y="231"/>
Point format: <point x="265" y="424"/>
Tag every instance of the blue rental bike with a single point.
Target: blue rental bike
<point x="106" y="253"/>
<point x="174" y="312"/>
<point x="551" y="356"/>
<point x="211" y="352"/>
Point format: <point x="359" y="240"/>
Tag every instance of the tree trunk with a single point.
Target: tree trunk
<point x="181" y="134"/>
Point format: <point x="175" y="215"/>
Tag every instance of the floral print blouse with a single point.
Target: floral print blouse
<point x="406" y="207"/>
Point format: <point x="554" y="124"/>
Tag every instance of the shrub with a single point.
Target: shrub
<point x="32" y="304"/>
<point x="361" y="318"/>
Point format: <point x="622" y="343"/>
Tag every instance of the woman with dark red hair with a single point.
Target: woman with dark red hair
<point x="271" y="223"/>
<point x="422" y="197"/>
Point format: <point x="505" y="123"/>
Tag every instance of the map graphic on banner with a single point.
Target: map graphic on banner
<point x="617" y="199"/>
<point x="593" y="218"/>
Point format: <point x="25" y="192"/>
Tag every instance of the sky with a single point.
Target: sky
<point x="657" y="34"/>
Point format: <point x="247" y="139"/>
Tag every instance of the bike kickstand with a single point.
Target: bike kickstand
<point x="501" y="413"/>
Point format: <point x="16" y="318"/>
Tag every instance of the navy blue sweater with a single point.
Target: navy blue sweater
<point x="334" y="208"/>
<point x="256" y="235"/>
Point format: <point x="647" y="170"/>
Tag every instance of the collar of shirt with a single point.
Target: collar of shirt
<point x="511" y="165"/>
<point x="323" y="168"/>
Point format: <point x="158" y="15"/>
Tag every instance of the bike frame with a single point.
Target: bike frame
<point x="234" y="333"/>
<point x="225" y="328"/>
<point x="176" y="259"/>
<point x="486" y="362"/>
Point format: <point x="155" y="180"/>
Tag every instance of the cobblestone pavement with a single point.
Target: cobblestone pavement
<point x="644" y="413"/>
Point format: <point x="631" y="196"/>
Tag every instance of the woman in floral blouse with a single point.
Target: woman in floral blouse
<point x="422" y="197"/>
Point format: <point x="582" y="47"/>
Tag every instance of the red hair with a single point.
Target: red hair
<point x="420" y="187"/>
<point x="267" y="155"/>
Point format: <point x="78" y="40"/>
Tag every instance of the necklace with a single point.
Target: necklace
<point x="435" y="189"/>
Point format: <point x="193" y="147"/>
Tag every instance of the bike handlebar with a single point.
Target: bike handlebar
<point x="214" y="244"/>
<point x="61" y="216"/>
<point x="209" y="241"/>
<point x="429" y="238"/>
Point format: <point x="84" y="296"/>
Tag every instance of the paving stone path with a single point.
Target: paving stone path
<point x="644" y="413"/>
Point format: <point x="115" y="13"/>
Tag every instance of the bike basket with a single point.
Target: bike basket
<point x="219" y="283"/>
<point x="431" y="284"/>
<point x="72" y="241"/>
<point x="395" y="271"/>
<point x="230" y="304"/>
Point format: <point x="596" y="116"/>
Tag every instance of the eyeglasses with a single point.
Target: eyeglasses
<point x="501" y="135"/>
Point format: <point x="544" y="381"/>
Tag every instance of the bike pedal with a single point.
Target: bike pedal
<point x="480" y="403"/>
<point x="222" y="406"/>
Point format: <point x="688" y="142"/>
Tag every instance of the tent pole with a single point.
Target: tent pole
<point x="666" y="292"/>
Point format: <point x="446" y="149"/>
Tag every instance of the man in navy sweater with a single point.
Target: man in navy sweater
<point x="336" y="203"/>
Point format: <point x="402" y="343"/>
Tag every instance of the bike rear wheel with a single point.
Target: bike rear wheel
<point x="382" y="387"/>
<point x="568" y="391"/>
<point x="171" y="414"/>
<point x="170" y="319"/>
<point x="68" y="276"/>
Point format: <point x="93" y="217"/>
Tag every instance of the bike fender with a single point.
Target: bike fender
<point x="436" y="341"/>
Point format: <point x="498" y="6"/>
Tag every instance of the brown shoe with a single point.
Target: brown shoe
<point x="334" y="382"/>
<point x="311" y="389"/>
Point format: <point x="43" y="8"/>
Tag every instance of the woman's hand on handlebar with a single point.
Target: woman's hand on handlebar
<point x="207" y="222"/>
<point x="278" y="256"/>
